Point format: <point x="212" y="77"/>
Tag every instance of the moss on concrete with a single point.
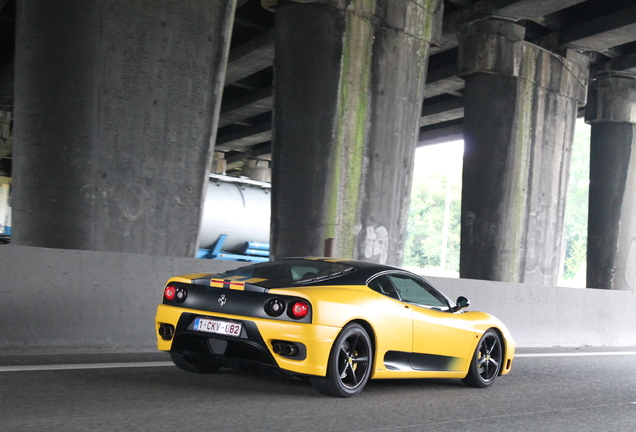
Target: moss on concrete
<point x="350" y="134"/>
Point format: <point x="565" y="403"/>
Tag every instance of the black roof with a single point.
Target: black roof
<point x="288" y="272"/>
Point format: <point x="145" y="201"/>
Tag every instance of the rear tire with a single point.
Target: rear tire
<point x="193" y="362"/>
<point x="349" y="365"/>
<point x="486" y="363"/>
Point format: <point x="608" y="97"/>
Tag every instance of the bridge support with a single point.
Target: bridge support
<point x="116" y="108"/>
<point x="611" y="244"/>
<point x="520" y="109"/>
<point x="348" y="89"/>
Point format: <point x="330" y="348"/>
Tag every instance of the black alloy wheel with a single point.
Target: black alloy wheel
<point x="486" y="362"/>
<point x="349" y="364"/>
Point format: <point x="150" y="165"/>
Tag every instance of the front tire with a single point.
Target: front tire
<point x="486" y="362"/>
<point x="349" y="365"/>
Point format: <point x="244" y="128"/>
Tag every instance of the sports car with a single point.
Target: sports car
<point x="337" y="323"/>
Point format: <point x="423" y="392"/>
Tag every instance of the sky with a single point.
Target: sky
<point x="438" y="159"/>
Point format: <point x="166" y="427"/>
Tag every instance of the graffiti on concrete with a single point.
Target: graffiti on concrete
<point x="377" y="244"/>
<point x="542" y="261"/>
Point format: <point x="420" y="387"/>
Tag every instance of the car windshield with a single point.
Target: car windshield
<point x="279" y="274"/>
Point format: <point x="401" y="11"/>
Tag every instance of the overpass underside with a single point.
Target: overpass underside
<point x="118" y="108"/>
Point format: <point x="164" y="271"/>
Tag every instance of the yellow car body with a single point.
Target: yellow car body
<point x="407" y="340"/>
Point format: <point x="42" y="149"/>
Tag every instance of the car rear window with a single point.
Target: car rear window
<point x="288" y="273"/>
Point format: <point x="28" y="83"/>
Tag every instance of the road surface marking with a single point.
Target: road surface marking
<point x="54" y="367"/>
<point x="84" y="366"/>
<point x="576" y="354"/>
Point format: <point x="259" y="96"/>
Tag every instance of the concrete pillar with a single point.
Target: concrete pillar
<point x="611" y="238"/>
<point x="115" y="118"/>
<point x="349" y="78"/>
<point x="520" y="109"/>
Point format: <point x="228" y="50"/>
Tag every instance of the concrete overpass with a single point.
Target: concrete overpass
<point x="112" y="101"/>
<point x="117" y="109"/>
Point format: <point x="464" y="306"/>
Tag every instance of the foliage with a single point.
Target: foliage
<point x="576" y="208"/>
<point x="434" y="184"/>
<point x="436" y="166"/>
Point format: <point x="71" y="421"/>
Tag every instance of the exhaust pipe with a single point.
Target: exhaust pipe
<point x="290" y="350"/>
<point x="287" y="349"/>
<point x="166" y="331"/>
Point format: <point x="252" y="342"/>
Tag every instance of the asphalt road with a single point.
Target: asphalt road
<point x="566" y="391"/>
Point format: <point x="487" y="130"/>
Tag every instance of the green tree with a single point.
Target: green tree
<point x="576" y="208"/>
<point x="433" y="228"/>
<point x="438" y="166"/>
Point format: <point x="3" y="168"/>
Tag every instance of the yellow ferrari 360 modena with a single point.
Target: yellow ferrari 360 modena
<point x="337" y="322"/>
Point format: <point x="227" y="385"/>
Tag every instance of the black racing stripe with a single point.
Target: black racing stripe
<point x="401" y="361"/>
<point x="433" y="362"/>
<point x="397" y="360"/>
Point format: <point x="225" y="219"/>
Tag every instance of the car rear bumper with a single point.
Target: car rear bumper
<point x="255" y="344"/>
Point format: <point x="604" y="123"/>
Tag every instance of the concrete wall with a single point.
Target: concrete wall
<point x="58" y="300"/>
<point x="54" y="301"/>
<point x="551" y="316"/>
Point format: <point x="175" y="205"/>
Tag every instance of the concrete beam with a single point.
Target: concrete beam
<point x="529" y="9"/>
<point x="436" y="85"/>
<point x="245" y="138"/>
<point x="511" y="9"/>
<point x="459" y="2"/>
<point x="441" y="66"/>
<point x="625" y="64"/>
<point x="245" y="107"/>
<point x="441" y="132"/>
<point x="600" y="34"/>
<point x="442" y="111"/>
<point x="453" y="86"/>
<point x="251" y="57"/>
<point x="443" y="80"/>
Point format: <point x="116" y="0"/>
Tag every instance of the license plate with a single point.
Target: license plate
<point x="215" y="326"/>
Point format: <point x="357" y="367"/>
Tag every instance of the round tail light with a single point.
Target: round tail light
<point x="169" y="292"/>
<point x="275" y="307"/>
<point x="299" y="309"/>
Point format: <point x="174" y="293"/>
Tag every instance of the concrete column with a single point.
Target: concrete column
<point x="611" y="238"/>
<point x="116" y="111"/>
<point x="349" y="78"/>
<point x="520" y="108"/>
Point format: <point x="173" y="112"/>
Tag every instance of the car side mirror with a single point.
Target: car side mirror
<point x="462" y="303"/>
